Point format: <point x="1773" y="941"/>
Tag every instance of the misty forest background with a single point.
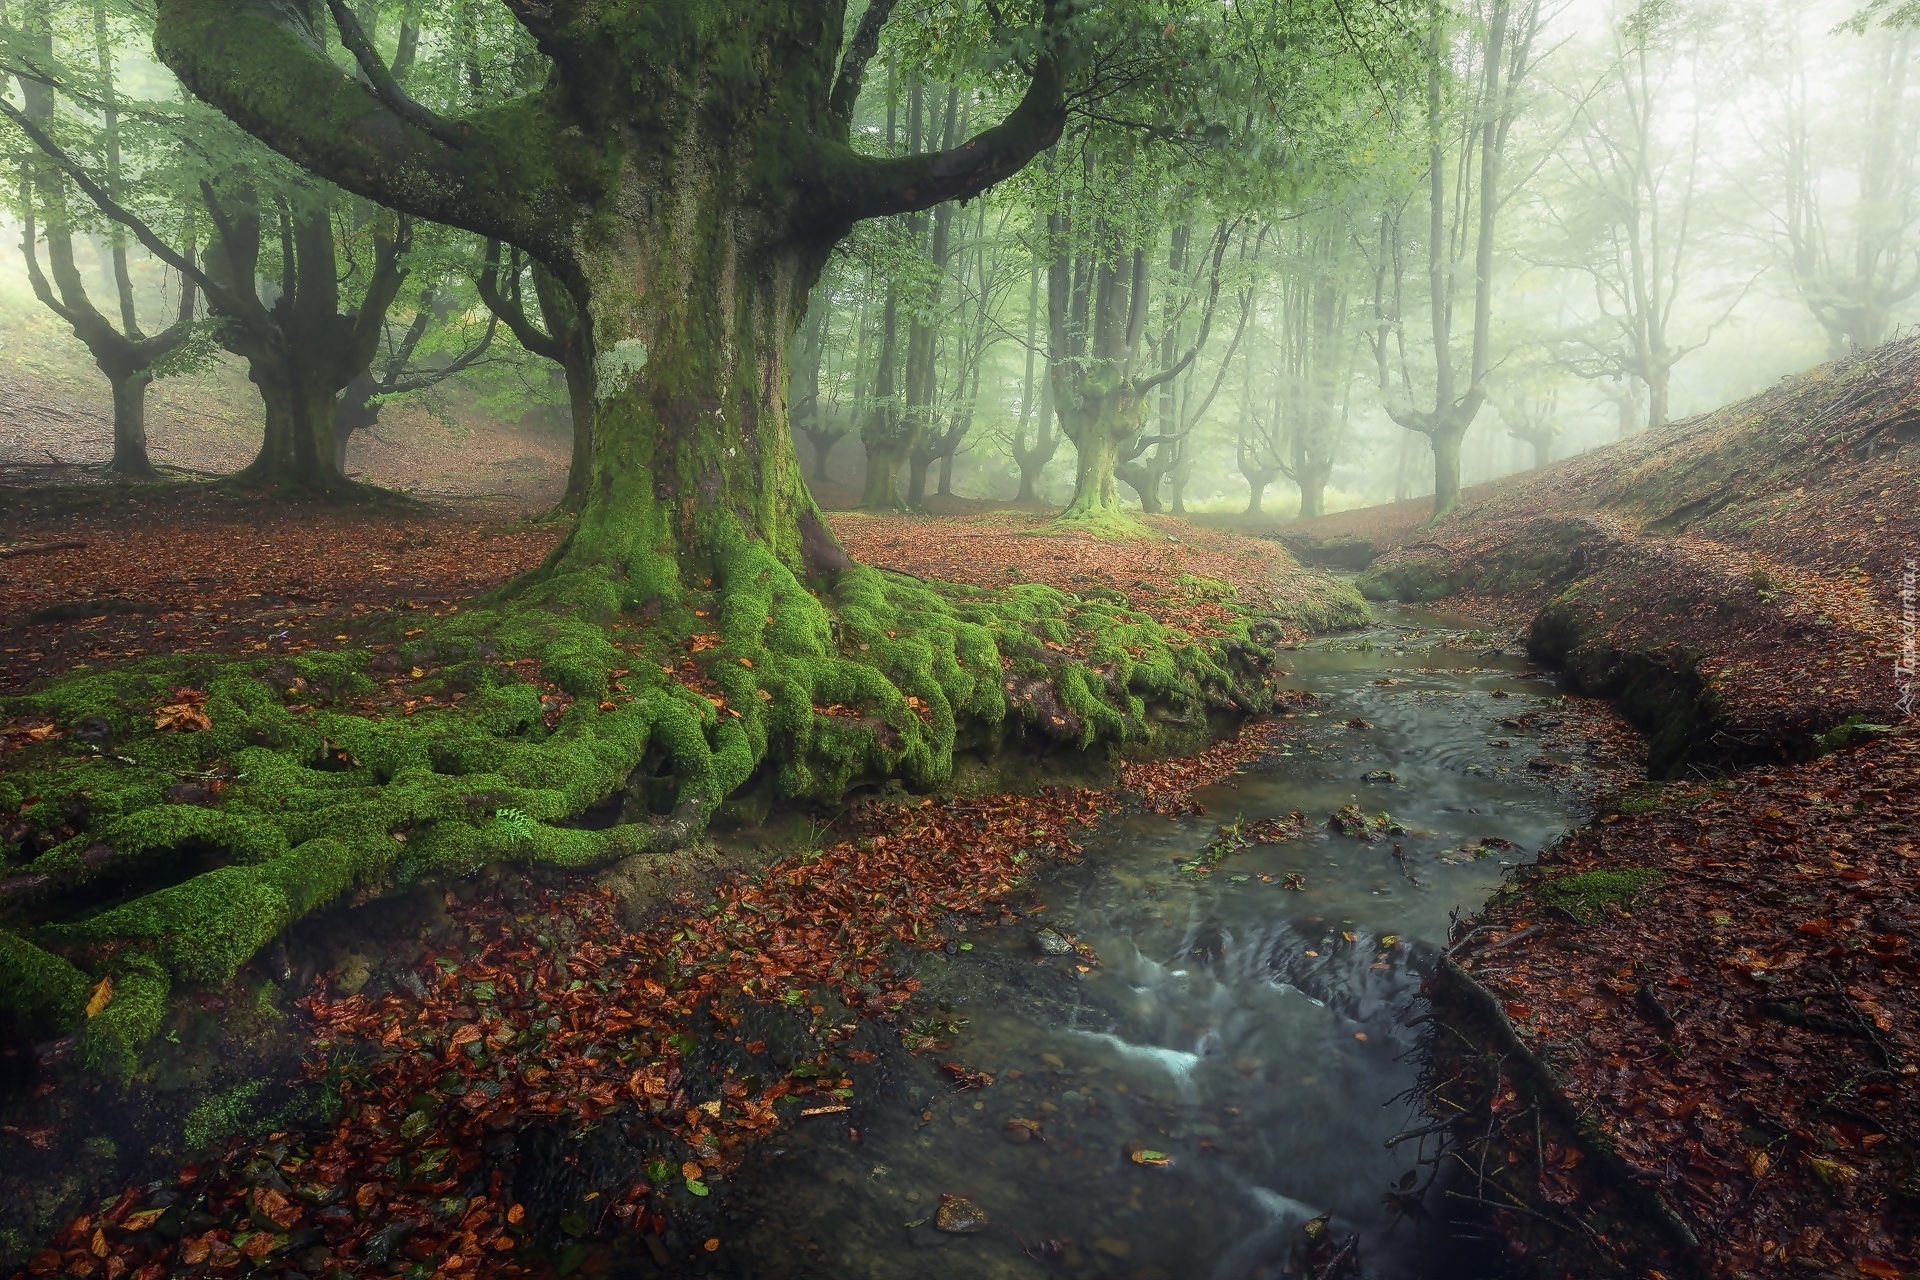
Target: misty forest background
<point x="1688" y="202"/>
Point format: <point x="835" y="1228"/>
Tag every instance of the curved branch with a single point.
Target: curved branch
<point x="873" y="187"/>
<point x="354" y="37"/>
<point x="1174" y="370"/>
<point x="111" y="207"/>
<point x="853" y="66"/>
<point x="510" y="308"/>
<point x="518" y="175"/>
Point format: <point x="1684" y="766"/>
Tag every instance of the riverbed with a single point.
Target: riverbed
<point x="1211" y="1066"/>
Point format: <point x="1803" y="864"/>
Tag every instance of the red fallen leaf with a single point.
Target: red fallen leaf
<point x="464" y="1035"/>
<point x="1516" y="1011"/>
<point x="276" y="1208"/>
<point x="1878" y="1269"/>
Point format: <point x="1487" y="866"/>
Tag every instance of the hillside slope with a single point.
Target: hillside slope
<point x="1735" y="579"/>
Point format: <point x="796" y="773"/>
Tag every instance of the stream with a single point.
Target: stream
<point x="1248" y="1024"/>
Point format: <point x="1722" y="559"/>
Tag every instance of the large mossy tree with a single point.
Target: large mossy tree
<point x="685" y="170"/>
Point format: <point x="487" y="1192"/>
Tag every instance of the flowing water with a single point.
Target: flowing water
<point x="1251" y="1032"/>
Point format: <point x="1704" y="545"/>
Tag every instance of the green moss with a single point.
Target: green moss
<point x="1853" y="729"/>
<point x="46" y="994"/>
<point x="1405" y="578"/>
<point x="220" y="1115"/>
<point x="317" y="803"/>
<point x="1585" y="895"/>
<point x="113" y="1038"/>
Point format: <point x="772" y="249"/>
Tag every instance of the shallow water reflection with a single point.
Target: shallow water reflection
<point x="1250" y="1032"/>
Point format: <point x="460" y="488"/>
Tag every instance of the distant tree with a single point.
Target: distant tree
<point x="1851" y="248"/>
<point x="1477" y="63"/>
<point x="1032" y="454"/>
<point x="1532" y="416"/>
<point x="1629" y="210"/>
<point x="560" y="336"/>
<point x="127" y="356"/>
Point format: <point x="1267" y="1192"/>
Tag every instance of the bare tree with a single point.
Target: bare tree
<point x="1629" y="216"/>
<point x="1852" y="246"/>
<point x="1490" y="48"/>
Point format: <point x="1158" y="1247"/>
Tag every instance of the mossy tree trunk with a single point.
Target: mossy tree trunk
<point x="689" y="216"/>
<point x="1096" y="317"/>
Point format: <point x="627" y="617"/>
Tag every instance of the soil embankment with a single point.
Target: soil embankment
<point x="1684" y="1042"/>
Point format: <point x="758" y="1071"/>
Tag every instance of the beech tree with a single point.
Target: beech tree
<point x="684" y="170"/>
<point x="1477" y="62"/>
<point x="126" y="355"/>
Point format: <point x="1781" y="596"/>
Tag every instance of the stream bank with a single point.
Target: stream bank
<point x="1207" y="1013"/>
<point x="1682" y="1043"/>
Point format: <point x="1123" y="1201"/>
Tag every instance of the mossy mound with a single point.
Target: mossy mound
<point x="193" y="807"/>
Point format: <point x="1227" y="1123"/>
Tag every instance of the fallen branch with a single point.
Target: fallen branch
<point x="39" y="548"/>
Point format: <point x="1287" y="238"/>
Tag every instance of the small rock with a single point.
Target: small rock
<point x="353" y="974"/>
<point x="1051" y="942"/>
<point x="386" y="663"/>
<point x="1379" y="775"/>
<point x="191" y="793"/>
<point x="958" y="1216"/>
<point x="93" y="730"/>
<point x="1111" y="1247"/>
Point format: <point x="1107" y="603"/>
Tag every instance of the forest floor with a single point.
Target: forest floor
<point x="182" y="568"/>
<point x="443" y="1020"/>
<point x="1702" y="1009"/>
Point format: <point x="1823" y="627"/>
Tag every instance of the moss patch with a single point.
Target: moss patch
<point x="1586" y="895"/>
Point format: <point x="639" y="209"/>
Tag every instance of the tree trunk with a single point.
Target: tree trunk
<point x="917" y="479"/>
<point x="1659" y="388"/>
<point x="1257" y="492"/>
<point x="822" y="446"/>
<point x="946" y="475"/>
<point x="693" y="457"/>
<point x="561" y="315"/>
<point x="130" y="459"/>
<point x="353" y="410"/>
<point x="1144" y="481"/>
<point x="1106" y="420"/>
<point x="1313" y="492"/>
<point x="1446" y="466"/>
<point x="296" y="446"/>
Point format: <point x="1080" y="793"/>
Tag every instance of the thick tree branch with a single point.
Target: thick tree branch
<point x="853" y="64"/>
<point x="518" y="175"/>
<point x="354" y="37"/>
<point x="873" y="187"/>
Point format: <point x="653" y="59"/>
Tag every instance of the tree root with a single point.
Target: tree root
<point x="491" y="735"/>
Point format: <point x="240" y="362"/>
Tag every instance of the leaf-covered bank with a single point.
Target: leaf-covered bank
<point x="1680" y="1045"/>
<point x="1685" y="1039"/>
<point x="545" y="1081"/>
<point x="1734" y="580"/>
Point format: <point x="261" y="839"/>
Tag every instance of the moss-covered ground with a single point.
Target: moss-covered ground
<point x="170" y="816"/>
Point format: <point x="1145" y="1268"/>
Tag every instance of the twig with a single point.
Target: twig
<point x="40" y="548"/>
